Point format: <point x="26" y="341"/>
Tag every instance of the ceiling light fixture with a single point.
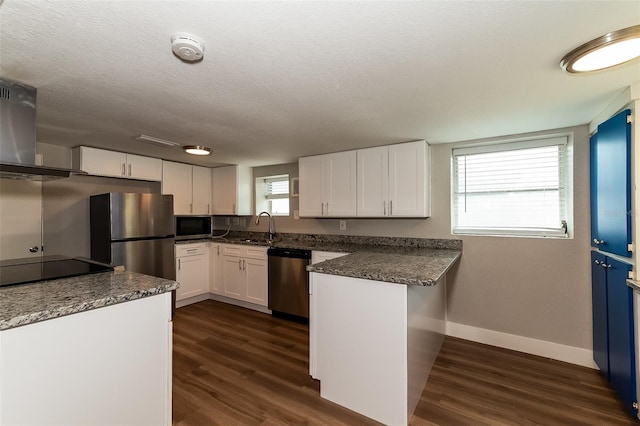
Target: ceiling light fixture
<point x="197" y="150"/>
<point x="156" y="141"/>
<point x="615" y="48"/>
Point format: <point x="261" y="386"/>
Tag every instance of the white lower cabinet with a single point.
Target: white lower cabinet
<point x="192" y="270"/>
<point x="107" y="366"/>
<point x="215" y="268"/>
<point x="244" y="273"/>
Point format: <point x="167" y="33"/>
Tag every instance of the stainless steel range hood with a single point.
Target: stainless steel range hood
<point x="18" y="135"/>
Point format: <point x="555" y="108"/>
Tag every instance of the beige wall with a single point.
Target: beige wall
<point x="532" y="287"/>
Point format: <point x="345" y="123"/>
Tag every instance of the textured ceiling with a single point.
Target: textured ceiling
<point x="284" y="79"/>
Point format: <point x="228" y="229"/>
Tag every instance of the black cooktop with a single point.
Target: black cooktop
<point x="22" y="273"/>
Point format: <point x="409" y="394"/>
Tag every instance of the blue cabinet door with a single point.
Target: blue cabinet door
<point x="622" y="368"/>
<point x="611" y="191"/>
<point x="600" y="320"/>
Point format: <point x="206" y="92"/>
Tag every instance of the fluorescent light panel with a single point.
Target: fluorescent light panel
<point x="157" y="141"/>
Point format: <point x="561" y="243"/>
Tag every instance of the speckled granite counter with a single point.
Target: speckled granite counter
<point x="410" y="266"/>
<point x="410" y="261"/>
<point x="28" y="303"/>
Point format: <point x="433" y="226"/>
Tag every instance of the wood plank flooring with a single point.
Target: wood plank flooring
<point x="233" y="366"/>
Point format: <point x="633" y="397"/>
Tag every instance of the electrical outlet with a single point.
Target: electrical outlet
<point x="343" y="225"/>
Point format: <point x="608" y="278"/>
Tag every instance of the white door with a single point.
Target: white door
<point x="101" y="162"/>
<point x="201" y="190"/>
<point x="144" y="168"/>
<point x="373" y="181"/>
<point x="192" y="274"/>
<point x="225" y="190"/>
<point x="407" y="179"/>
<point x="176" y="180"/>
<point x="340" y="184"/>
<point x="20" y="219"/>
<point x="256" y="276"/>
<point x="312" y="178"/>
<point x="233" y="284"/>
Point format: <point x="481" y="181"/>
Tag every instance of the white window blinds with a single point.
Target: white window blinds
<point x="274" y="191"/>
<point x="518" y="188"/>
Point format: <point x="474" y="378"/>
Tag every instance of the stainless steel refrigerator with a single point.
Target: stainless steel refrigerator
<point x="134" y="230"/>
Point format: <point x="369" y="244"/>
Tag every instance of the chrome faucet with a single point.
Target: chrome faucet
<point x="271" y="231"/>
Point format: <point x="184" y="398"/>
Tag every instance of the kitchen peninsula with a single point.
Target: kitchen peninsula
<point x="377" y="323"/>
<point x="86" y="350"/>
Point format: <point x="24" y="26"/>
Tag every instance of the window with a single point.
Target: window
<point x="272" y="195"/>
<point x="518" y="188"/>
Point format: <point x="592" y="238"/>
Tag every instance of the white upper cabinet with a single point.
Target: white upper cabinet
<point x="393" y="181"/>
<point x="190" y="186"/>
<point x="177" y="180"/>
<point x="201" y="190"/>
<point x="101" y="162"/>
<point x="409" y="180"/>
<point x="328" y="185"/>
<point x="232" y="191"/>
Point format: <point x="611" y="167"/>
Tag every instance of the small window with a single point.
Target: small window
<point x="272" y="195"/>
<point x="519" y="188"/>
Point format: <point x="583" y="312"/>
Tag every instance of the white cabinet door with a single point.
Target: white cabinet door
<point x="233" y="284"/>
<point x="177" y="180"/>
<point x="144" y="168"/>
<point x="311" y="171"/>
<point x="192" y="270"/>
<point x="408" y="183"/>
<point x="340" y="184"/>
<point x="232" y="190"/>
<point x="100" y="162"/>
<point x="373" y="182"/>
<point x="201" y="190"/>
<point x="215" y="269"/>
<point x="256" y="277"/>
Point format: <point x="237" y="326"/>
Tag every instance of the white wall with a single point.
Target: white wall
<point x="531" y="287"/>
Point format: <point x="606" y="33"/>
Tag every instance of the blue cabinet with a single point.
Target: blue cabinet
<point x="611" y="185"/>
<point x="613" y="329"/>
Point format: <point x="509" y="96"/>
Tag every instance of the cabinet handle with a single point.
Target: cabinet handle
<point x="179" y="263"/>
<point x="129" y="170"/>
<point x="218" y="250"/>
<point x="598" y="242"/>
<point x="208" y="208"/>
<point x="191" y="208"/>
<point x="321" y="209"/>
<point x="123" y="170"/>
<point x="384" y="207"/>
<point x="327" y="209"/>
<point x="390" y="207"/>
<point x="244" y="265"/>
<point x="605" y="266"/>
<point x="597" y="262"/>
<point x="234" y="209"/>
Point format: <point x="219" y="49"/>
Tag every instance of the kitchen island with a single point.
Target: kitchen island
<point x="377" y="322"/>
<point x="92" y="349"/>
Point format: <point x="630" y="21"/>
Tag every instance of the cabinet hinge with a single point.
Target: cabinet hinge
<point x="631" y="247"/>
<point x="635" y="405"/>
<point x="629" y="119"/>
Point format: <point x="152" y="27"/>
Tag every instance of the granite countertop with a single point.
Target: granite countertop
<point x="29" y="303"/>
<point x="400" y="265"/>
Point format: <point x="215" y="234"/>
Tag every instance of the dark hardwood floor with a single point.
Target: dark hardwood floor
<point x="233" y="366"/>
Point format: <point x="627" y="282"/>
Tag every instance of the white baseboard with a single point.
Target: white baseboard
<point x="240" y="303"/>
<point x="570" y="354"/>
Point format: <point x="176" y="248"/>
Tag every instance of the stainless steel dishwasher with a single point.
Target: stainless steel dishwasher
<point x="289" y="281"/>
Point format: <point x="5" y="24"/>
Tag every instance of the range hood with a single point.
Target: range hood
<point x="18" y="136"/>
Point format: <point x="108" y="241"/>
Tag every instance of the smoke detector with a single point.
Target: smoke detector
<point x="187" y="47"/>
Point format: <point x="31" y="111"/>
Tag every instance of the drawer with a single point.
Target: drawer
<point x="183" y="250"/>
<point x="231" y="250"/>
<point x="259" y="253"/>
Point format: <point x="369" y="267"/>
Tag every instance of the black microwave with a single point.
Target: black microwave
<point x="193" y="227"/>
